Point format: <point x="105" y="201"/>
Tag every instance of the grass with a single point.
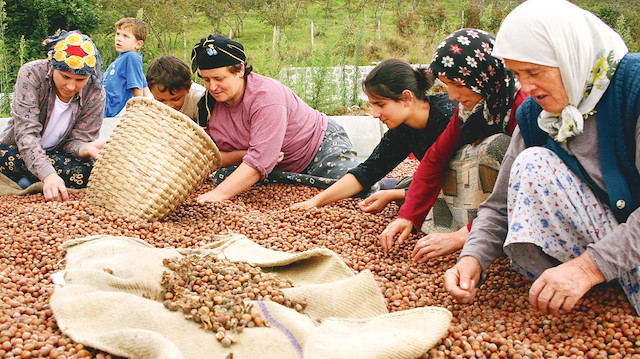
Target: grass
<point x="343" y="39"/>
<point x="334" y="37"/>
<point x="410" y="31"/>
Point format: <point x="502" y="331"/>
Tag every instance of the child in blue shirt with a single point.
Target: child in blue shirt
<point x="124" y="78"/>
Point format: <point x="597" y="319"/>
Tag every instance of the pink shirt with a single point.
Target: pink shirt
<point x="269" y="119"/>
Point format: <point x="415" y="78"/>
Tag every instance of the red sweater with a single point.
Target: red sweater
<point x="429" y="177"/>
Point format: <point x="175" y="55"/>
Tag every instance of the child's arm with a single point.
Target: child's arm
<point x="138" y="92"/>
<point x="146" y="92"/>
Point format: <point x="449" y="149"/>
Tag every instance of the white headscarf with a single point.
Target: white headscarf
<point x="559" y="34"/>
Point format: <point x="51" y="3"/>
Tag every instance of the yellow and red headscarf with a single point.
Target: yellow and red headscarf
<point x="74" y="52"/>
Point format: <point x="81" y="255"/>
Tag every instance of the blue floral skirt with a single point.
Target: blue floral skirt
<point x="333" y="160"/>
<point x="554" y="216"/>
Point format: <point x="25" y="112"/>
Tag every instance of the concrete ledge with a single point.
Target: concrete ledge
<point x="365" y="132"/>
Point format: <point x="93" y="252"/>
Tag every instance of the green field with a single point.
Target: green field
<point x="275" y="33"/>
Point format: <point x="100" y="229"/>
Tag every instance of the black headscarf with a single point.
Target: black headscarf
<point x="210" y="53"/>
<point x="216" y="51"/>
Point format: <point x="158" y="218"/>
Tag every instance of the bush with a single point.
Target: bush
<point x="473" y="15"/>
<point x="407" y="24"/>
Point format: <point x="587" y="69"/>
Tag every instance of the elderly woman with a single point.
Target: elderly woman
<point x="56" y="116"/>
<point x="260" y="126"/>
<point x="564" y="208"/>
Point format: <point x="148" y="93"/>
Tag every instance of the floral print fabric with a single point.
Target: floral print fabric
<point x="550" y="207"/>
<point x="74" y="52"/>
<point x="333" y="160"/>
<point x="75" y="172"/>
<point x="465" y="57"/>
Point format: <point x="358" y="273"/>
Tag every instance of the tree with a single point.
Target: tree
<point x="281" y="13"/>
<point x="231" y="13"/>
<point x="37" y="19"/>
<point x="165" y="19"/>
<point x="5" y="81"/>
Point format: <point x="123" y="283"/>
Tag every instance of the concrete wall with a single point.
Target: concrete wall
<point x="365" y="131"/>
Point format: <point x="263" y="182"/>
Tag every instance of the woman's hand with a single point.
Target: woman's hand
<point x="239" y="180"/>
<point x="91" y="149"/>
<point x="54" y="188"/>
<point x="400" y="226"/>
<point x="211" y="196"/>
<point x="559" y="288"/>
<point x="461" y="279"/>
<point x="310" y="203"/>
<point x="439" y="244"/>
<point x="377" y="201"/>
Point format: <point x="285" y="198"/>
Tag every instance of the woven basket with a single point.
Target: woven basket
<point x="153" y="161"/>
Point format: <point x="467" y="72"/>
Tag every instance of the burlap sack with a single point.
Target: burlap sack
<point x="107" y="299"/>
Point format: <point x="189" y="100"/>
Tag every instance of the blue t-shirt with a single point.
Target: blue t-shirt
<point x="122" y="76"/>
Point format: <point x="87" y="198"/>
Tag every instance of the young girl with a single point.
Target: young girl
<point x="56" y="116"/>
<point x="397" y="94"/>
<point x="488" y="96"/>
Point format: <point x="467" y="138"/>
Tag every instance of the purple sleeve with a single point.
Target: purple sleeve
<point x="268" y="128"/>
<point x="88" y="120"/>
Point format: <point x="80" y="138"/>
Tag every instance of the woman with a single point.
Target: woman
<point x="260" y="125"/>
<point x="565" y="207"/>
<point x="487" y="95"/>
<point x="56" y="116"/>
<point x="397" y="94"/>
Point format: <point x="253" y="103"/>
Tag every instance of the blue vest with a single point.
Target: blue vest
<point x="618" y="112"/>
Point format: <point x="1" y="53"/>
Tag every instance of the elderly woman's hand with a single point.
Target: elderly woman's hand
<point x="559" y="288"/>
<point x="461" y="279"/>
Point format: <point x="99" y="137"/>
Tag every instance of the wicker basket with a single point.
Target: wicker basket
<point x="153" y="161"/>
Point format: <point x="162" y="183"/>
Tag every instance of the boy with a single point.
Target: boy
<point x="124" y="78"/>
<point x="169" y="80"/>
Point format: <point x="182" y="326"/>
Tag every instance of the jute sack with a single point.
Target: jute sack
<point x="10" y="188"/>
<point x="106" y="298"/>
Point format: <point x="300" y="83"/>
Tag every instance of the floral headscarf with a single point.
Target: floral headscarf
<point x="585" y="49"/>
<point x="74" y="52"/>
<point x="465" y="57"/>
